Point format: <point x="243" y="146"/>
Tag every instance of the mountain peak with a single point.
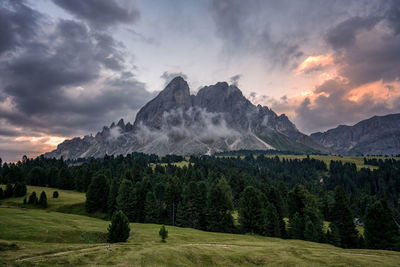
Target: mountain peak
<point x="177" y="90"/>
<point x="217" y="118"/>
<point x="176" y="95"/>
<point x="121" y="123"/>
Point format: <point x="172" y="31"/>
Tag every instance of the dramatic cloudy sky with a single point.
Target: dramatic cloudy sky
<point x="68" y="67"/>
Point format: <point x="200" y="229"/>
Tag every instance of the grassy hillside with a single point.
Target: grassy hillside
<point x="45" y="237"/>
<point x="67" y="202"/>
<point x="66" y="197"/>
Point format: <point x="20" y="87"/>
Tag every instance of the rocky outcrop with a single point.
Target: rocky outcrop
<point x="217" y="118"/>
<point x="379" y="135"/>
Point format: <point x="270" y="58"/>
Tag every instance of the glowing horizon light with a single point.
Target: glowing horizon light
<point x="313" y="63"/>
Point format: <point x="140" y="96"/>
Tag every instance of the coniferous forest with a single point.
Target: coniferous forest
<point x="261" y="194"/>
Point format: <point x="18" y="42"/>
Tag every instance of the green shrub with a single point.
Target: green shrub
<point x="163" y="233"/>
<point x="118" y="230"/>
<point x="43" y="200"/>
<point x="33" y="198"/>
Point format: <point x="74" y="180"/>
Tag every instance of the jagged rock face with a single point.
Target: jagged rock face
<point x="379" y="135"/>
<point x="175" y="96"/>
<point x="218" y="118"/>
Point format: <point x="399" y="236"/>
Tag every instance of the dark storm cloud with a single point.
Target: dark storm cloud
<point x="366" y="50"/>
<point x="17" y="24"/>
<point x="243" y="28"/>
<point x="280" y="32"/>
<point x="36" y="77"/>
<point x="55" y="84"/>
<point x="344" y="34"/>
<point x="168" y="76"/>
<point x="393" y="16"/>
<point x="100" y="13"/>
<point x="9" y="132"/>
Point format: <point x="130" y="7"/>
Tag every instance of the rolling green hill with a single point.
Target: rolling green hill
<point x="30" y="236"/>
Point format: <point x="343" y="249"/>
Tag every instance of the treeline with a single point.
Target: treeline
<point x="252" y="194"/>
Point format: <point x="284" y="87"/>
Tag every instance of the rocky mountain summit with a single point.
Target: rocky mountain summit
<point x="217" y="118"/>
<point x="379" y="135"/>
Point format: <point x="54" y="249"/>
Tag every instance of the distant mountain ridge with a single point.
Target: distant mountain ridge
<point x="218" y="118"/>
<point x="379" y="135"/>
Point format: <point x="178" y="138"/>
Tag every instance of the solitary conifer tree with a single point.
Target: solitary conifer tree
<point x="118" y="230"/>
<point x="163" y="233"/>
<point x="43" y="200"/>
<point x="32" y="198"/>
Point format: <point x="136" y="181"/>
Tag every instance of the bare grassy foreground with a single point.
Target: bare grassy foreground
<point x="47" y="238"/>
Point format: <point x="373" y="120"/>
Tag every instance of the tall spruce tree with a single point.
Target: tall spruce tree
<point x="36" y="176"/>
<point x="275" y="198"/>
<point x="96" y="196"/>
<point x="252" y="214"/>
<point x="112" y="197"/>
<point x="343" y="219"/>
<point x="9" y="191"/>
<point x="296" y="226"/>
<point x="151" y="208"/>
<point x="273" y="225"/>
<point x="142" y="188"/>
<point x="173" y="197"/>
<point x="309" y="230"/>
<point x="332" y="235"/>
<point x="159" y="191"/>
<point x="65" y="179"/>
<point x="302" y="204"/>
<point x="189" y="208"/>
<point x="126" y="198"/>
<point x="380" y="229"/>
<point x="43" y="200"/>
<point x="202" y="205"/>
<point x="220" y="207"/>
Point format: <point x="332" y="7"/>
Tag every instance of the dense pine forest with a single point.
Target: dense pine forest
<point x="256" y="194"/>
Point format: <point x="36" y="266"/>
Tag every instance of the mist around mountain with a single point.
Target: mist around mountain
<point x="218" y="118"/>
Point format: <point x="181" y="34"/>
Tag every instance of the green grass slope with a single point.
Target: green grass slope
<point x="48" y="238"/>
<point x="66" y="197"/>
<point x="68" y="201"/>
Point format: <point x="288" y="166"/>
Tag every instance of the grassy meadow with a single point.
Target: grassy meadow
<point x="31" y="236"/>
<point x="359" y="161"/>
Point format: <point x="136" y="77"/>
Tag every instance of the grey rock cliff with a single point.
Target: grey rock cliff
<point x="379" y="135"/>
<point x="218" y="118"/>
